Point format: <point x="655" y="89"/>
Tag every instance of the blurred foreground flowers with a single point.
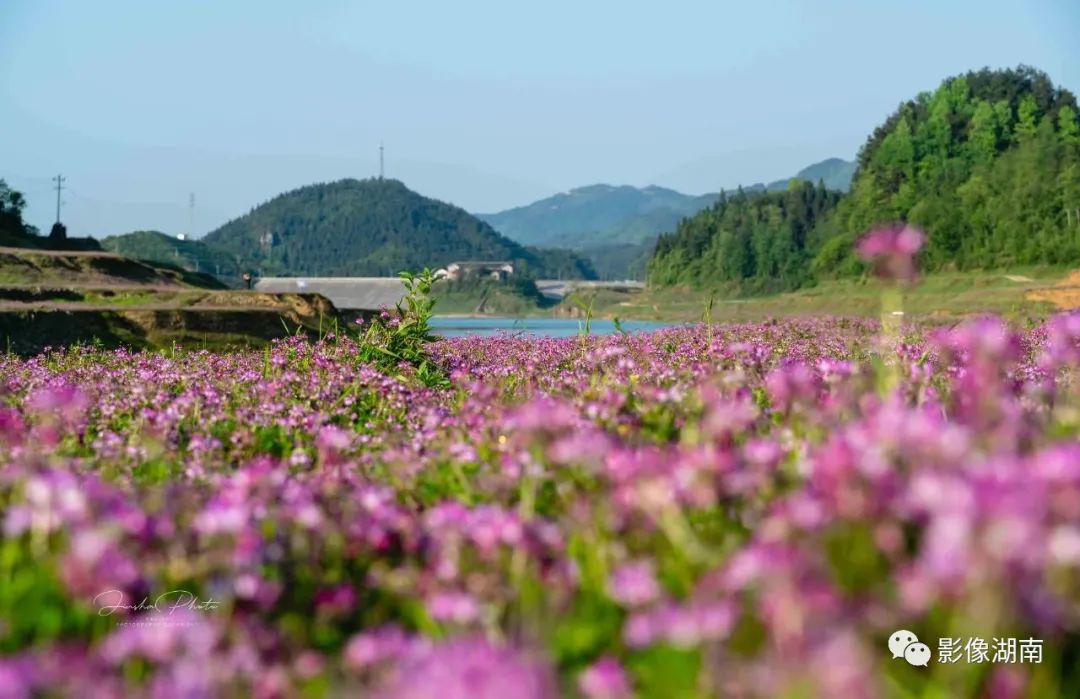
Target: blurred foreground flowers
<point x="736" y="511"/>
<point x="892" y="250"/>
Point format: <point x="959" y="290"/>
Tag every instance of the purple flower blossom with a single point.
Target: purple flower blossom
<point x="455" y="607"/>
<point x="634" y="584"/>
<point x="682" y="626"/>
<point x="605" y="679"/>
<point x="469" y="668"/>
<point x="380" y="645"/>
<point x="336" y="600"/>
<point x="892" y="251"/>
<point x="755" y="467"/>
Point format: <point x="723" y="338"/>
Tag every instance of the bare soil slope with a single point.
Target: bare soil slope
<point x="55" y="299"/>
<point x="1065" y="294"/>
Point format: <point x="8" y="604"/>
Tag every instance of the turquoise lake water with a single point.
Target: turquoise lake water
<point x="543" y="327"/>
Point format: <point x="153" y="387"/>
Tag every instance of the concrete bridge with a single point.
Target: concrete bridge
<point x="373" y="293"/>
<point x="346" y="293"/>
<point x="560" y="288"/>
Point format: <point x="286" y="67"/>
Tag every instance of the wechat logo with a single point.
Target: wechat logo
<point x="904" y="644"/>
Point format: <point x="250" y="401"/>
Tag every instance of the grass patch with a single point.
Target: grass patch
<point x="941" y="294"/>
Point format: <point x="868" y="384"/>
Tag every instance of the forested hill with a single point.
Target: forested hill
<point x="752" y="242"/>
<point x="372" y="227"/>
<point x="154" y="246"/>
<point x="988" y="164"/>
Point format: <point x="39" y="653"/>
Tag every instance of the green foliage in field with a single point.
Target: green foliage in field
<point x="394" y="341"/>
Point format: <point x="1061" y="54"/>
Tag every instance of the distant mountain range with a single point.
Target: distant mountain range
<point x="378" y="227"/>
<point x="614" y="226"/>
<point x="596" y="215"/>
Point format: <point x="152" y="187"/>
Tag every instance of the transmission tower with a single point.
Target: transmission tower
<point x="59" y="180"/>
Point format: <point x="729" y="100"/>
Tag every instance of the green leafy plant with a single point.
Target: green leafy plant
<point x="394" y="339"/>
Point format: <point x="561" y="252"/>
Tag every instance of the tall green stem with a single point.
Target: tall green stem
<point x="892" y="315"/>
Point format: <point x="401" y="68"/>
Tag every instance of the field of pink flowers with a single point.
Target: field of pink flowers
<point x="737" y="510"/>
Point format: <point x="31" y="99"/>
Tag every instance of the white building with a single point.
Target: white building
<point x="492" y="269"/>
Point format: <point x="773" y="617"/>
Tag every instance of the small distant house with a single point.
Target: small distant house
<point x="476" y="269"/>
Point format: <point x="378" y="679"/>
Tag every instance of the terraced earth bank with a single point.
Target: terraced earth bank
<point x="54" y="299"/>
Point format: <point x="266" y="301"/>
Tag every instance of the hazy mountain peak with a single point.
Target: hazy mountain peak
<point x="605" y="217"/>
<point x="602" y="214"/>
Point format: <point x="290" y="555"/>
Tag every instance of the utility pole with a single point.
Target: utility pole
<point x="382" y="170"/>
<point x="191" y="215"/>
<point x="59" y="180"/>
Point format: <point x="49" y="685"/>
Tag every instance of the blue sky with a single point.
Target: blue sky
<point x="484" y="103"/>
